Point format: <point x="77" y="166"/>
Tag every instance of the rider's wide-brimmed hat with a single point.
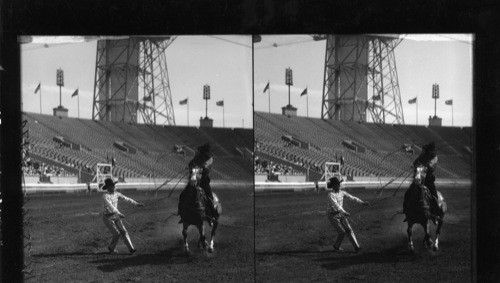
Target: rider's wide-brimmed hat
<point x="204" y="149"/>
<point x="202" y="155"/>
<point x="428" y="153"/>
<point x="431" y="147"/>
<point x="335" y="181"/>
<point x="108" y="183"/>
<point x="204" y="152"/>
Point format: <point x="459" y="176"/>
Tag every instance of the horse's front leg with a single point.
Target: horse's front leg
<point x="427" y="236"/>
<point x="212" y="236"/>
<point x="185" y="235"/>
<point x="202" y="242"/>
<point x="435" y="247"/>
<point x="409" y="231"/>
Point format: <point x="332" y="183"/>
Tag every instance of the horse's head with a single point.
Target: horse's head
<point x="419" y="174"/>
<point x="195" y="175"/>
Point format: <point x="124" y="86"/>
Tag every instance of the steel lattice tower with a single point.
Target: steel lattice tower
<point x="360" y="78"/>
<point x="131" y="79"/>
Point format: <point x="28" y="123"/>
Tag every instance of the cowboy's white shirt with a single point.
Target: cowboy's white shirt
<point x="110" y="202"/>
<point x="336" y="201"/>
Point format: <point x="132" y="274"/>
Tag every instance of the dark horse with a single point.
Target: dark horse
<point x="194" y="212"/>
<point x="416" y="207"/>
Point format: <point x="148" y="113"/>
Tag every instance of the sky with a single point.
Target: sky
<point x="223" y="62"/>
<point x="421" y="61"/>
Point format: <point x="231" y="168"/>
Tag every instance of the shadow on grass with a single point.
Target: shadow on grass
<point x="392" y="256"/>
<point x="173" y="255"/>
<point x="68" y="254"/>
<point x="112" y="262"/>
<point x="297" y="252"/>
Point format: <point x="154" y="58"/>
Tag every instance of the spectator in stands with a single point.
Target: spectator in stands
<point x="338" y="216"/>
<point x="112" y="216"/>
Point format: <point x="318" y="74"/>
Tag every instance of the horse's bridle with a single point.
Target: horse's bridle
<point x="420" y="174"/>
<point x="195" y="175"/>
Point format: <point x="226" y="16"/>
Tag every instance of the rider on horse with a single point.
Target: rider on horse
<point x="203" y="160"/>
<point x="428" y="159"/>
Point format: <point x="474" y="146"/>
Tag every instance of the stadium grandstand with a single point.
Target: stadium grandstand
<point x="366" y="150"/>
<point x="63" y="146"/>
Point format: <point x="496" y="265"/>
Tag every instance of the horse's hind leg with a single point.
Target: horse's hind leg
<point x="212" y="236"/>
<point x="435" y="247"/>
<point x="184" y="236"/>
<point x="427" y="236"/>
<point x="409" y="231"/>
<point x="202" y="242"/>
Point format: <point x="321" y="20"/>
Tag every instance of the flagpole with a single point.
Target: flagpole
<point x="223" y="125"/>
<point x="40" y="98"/>
<point x="78" y="105"/>
<point x="416" y="123"/>
<point x="307" y="103"/>
<point x="269" y="95"/>
<point x="452" y="112"/>
<point x="188" y="111"/>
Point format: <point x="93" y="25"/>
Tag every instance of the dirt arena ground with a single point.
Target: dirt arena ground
<point x="69" y="240"/>
<point x="294" y="240"/>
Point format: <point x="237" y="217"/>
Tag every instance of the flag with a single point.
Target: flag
<point x="182" y="102"/>
<point x="266" y="88"/>
<point x="376" y="97"/>
<point x="147" y="98"/>
<point x="411" y="101"/>
<point x="304" y="92"/>
<point x="449" y="102"/>
<point x="75" y="93"/>
<point x="220" y="103"/>
<point x="38" y="87"/>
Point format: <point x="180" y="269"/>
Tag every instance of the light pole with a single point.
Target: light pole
<point x="289" y="81"/>
<point x="206" y="96"/>
<point x="435" y="95"/>
<point x="60" y="83"/>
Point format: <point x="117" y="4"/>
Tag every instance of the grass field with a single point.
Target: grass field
<point x="69" y="240"/>
<point x="294" y="240"/>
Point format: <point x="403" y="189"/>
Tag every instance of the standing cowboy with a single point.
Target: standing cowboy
<point x="428" y="158"/>
<point x="112" y="216"/>
<point x="338" y="216"/>
<point x="202" y="159"/>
